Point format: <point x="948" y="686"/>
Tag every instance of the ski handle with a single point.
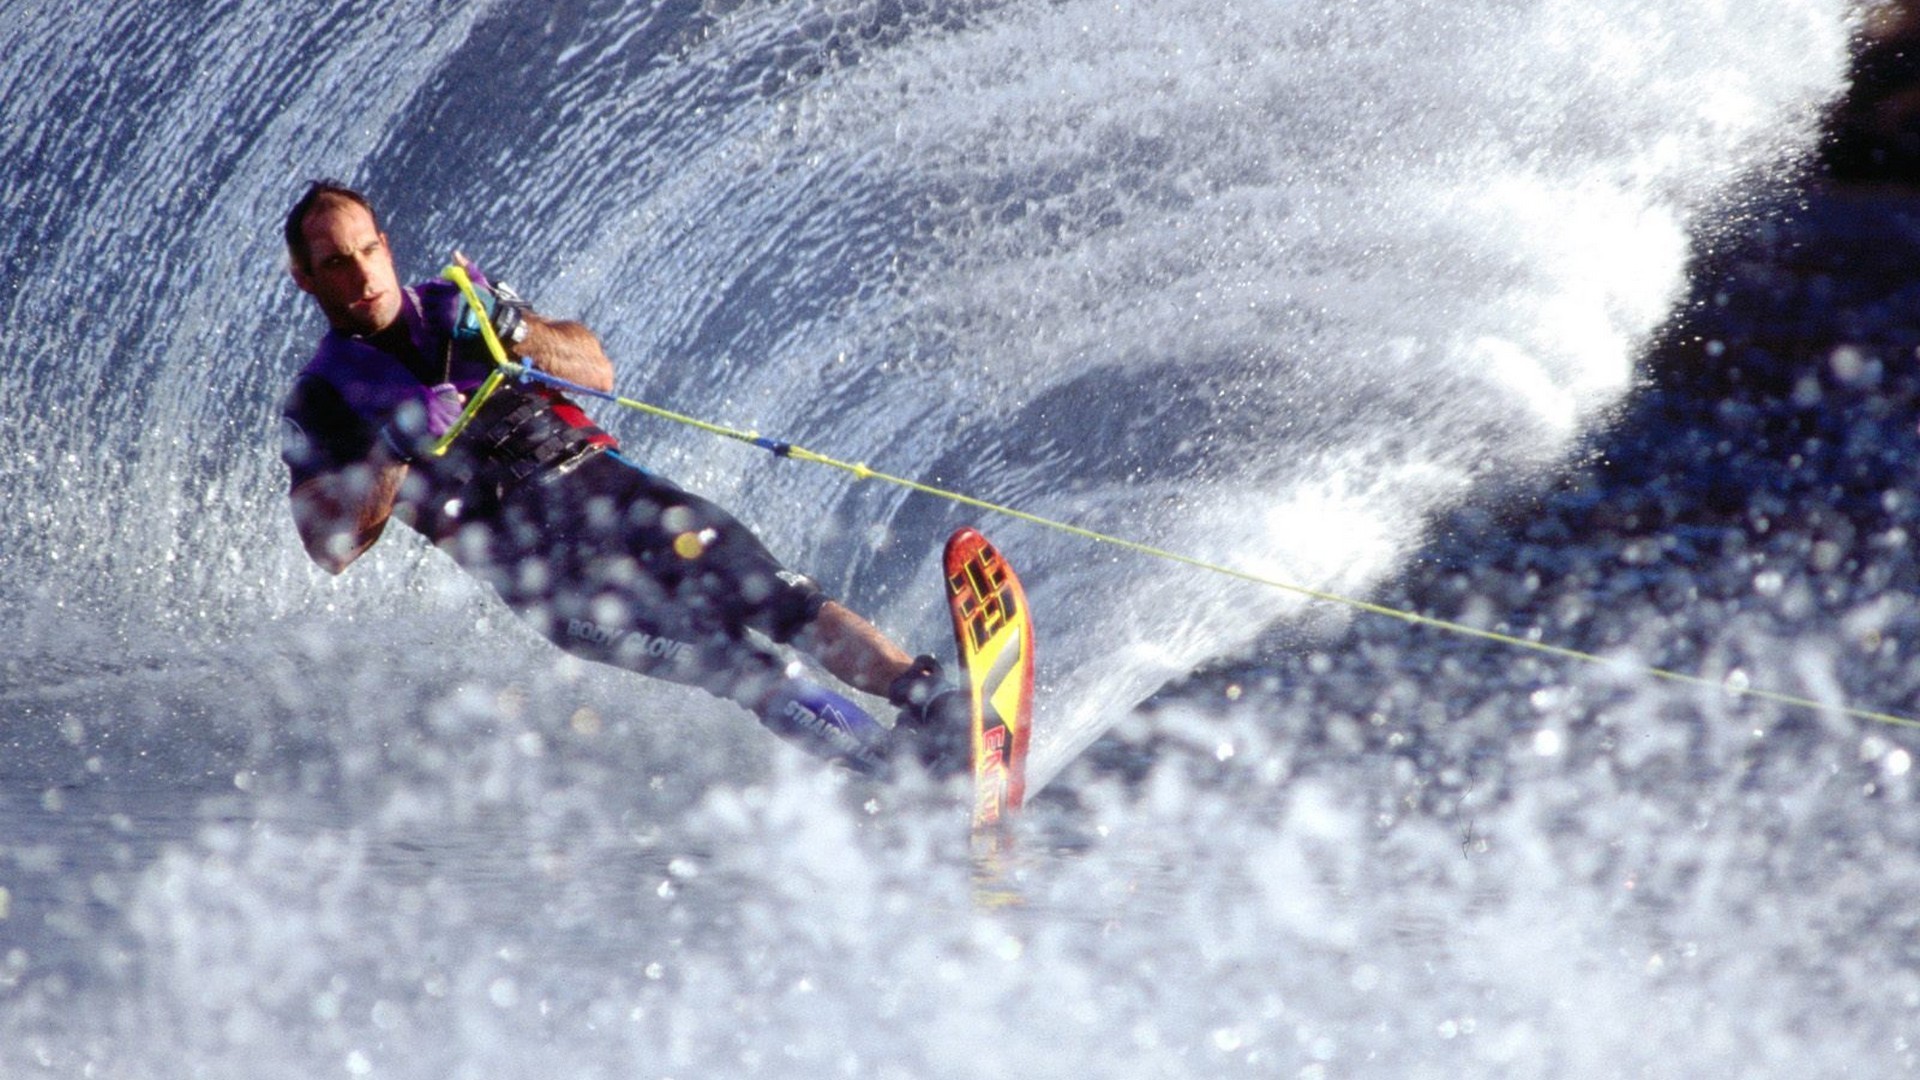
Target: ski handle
<point x="502" y="363"/>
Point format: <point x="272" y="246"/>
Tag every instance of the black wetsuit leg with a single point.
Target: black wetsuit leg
<point x="623" y="567"/>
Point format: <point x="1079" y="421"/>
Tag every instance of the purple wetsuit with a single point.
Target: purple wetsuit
<point x="609" y="561"/>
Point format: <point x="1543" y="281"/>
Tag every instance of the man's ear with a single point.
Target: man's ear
<point x="300" y="277"/>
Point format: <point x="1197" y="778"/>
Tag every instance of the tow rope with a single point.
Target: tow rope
<point x="505" y="366"/>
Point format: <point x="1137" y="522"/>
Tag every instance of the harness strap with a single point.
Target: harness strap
<point x="517" y="436"/>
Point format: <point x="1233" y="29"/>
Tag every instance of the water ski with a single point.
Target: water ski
<point x="994" y="636"/>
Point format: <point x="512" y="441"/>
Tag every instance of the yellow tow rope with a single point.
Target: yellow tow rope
<point x="504" y="366"/>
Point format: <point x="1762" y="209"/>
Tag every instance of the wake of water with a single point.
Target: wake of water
<point x="1268" y="284"/>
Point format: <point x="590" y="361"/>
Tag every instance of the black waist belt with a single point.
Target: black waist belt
<point x="517" y="437"/>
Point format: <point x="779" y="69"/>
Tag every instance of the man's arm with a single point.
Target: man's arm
<point x="561" y="348"/>
<point x="341" y="513"/>
<point x="566" y="350"/>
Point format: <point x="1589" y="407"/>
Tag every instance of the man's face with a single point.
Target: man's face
<point x="351" y="271"/>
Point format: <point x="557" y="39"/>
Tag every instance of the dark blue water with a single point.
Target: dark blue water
<point x="1523" y="315"/>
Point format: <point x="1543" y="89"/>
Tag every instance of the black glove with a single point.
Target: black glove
<point x="503" y="307"/>
<point x="918" y="685"/>
<point x="510" y="314"/>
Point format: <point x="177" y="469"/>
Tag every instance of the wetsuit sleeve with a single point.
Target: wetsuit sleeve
<point x="319" y="432"/>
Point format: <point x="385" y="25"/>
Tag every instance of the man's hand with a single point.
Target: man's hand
<point x="505" y="309"/>
<point x="563" y="349"/>
<point x="418" y="424"/>
<point x="502" y="307"/>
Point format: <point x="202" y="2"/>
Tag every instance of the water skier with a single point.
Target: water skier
<point x="611" y="562"/>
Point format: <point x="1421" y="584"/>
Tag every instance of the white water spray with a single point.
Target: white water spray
<point x="1267" y="283"/>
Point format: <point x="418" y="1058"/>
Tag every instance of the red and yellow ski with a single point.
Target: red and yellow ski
<point x="994" y="635"/>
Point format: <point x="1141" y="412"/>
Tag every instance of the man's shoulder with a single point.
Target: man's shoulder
<point x="350" y="375"/>
<point x="337" y="365"/>
<point x="316" y="404"/>
<point x="316" y="364"/>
